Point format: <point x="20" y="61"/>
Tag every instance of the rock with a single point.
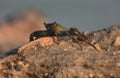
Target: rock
<point x="86" y="33"/>
<point x="118" y="64"/>
<point x="117" y="41"/>
<point x="106" y="39"/>
<point x="47" y="41"/>
<point x="91" y="75"/>
<point x="64" y="60"/>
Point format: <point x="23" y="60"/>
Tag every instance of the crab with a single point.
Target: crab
<point x="55" y="29"/>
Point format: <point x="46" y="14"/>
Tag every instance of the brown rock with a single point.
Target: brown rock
<point x="64" y="60"/>
<point x="118" y="64"/>
<point x="47" y="41"/>
<point x="106" y="39"/>
<point x="117" y="41"/>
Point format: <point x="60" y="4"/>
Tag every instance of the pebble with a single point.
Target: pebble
<point x="118" y="64"/>
<point x="91" y="75"/>
<point x="1" y="66"/>
<point x="65" y="49"/>
<point x="114" y="53"/>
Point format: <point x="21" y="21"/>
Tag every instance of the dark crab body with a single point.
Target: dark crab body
<point x="58" y="29"/>
<point x="40" y="33"/>
<point x="55" y="29"/>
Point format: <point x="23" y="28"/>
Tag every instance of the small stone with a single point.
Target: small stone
<point x="20" y="62"/>
<point x="117" y="42"/>
<point x="91" y="75"/>
<point x="1" y="66"/>
<point x="86" y="33"/>
<point x="114" y="53"/>
<point x="18" y="67"/>
<point x="118" y="52"/>
<point x="46" y="74"/>
<point x="118" y="64"/>
<point x="65" y="49"/>
<point x="46" y="41"/>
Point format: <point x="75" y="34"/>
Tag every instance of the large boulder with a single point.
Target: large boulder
<point x="63" y="60"/>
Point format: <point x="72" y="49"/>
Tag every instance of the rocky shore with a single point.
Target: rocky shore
<point x="66" y="60"/>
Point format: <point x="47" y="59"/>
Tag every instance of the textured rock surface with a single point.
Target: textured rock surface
<point x="106" y="39"/>
<point x="65" y="60"/>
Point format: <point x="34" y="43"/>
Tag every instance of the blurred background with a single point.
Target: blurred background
<point x="18" y="18"/>
<point x="86" y="14"/>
